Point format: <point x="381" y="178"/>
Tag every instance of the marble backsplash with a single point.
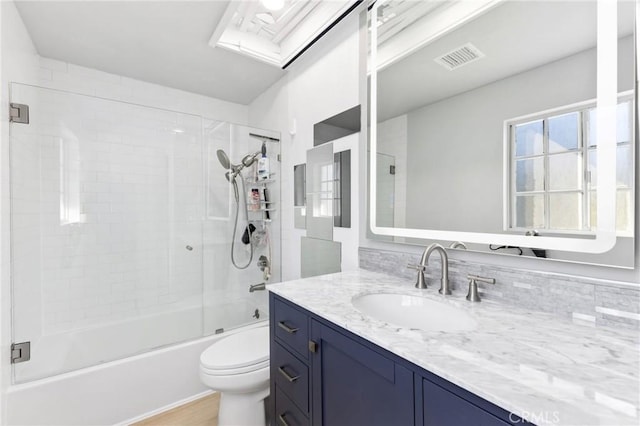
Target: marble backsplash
<point x="583" y="300"/>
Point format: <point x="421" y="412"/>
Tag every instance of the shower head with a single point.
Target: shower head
<point x="247" y="161"/>
<point x="224" y="160"/>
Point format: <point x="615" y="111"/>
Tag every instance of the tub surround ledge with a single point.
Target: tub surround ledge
<point x="541" y="367"/>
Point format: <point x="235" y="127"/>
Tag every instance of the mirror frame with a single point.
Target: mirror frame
<point x="606" y="101"/>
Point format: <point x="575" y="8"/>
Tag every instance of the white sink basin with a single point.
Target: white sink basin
<point x="414" y="312"/>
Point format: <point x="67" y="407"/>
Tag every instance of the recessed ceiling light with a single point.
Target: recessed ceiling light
<point x="273" y="4"/>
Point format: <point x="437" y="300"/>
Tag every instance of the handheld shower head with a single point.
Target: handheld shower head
<point x="224" y="160"/>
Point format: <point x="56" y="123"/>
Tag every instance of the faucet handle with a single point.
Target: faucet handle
<point x="420" y="281"/>
<point x="481" y="279"/>
<point x="472" y="294"/>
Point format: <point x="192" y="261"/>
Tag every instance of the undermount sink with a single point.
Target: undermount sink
<point x="414" y="312"/>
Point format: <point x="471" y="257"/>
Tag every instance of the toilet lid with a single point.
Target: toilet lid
<point x="241" y="349"/>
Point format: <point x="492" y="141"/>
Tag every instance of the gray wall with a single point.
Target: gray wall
<point x="455" y="150"/>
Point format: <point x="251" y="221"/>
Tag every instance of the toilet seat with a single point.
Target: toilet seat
<point x="233" y="371"/>
<point x="238" y="353"/>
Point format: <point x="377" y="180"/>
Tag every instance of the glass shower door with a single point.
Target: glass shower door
<point x="106" y="229"/>
<point x="228" y="303"/>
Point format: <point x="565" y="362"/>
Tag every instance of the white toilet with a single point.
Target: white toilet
<point x="238" y="367"/>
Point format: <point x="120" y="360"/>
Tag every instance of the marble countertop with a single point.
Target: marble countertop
<point x="536" y="365"/>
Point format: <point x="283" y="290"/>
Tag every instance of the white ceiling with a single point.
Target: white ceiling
<point x="515" y="36"/>
<point x="162" y="42"/>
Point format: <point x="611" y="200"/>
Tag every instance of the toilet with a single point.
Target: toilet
<point x="238" y="367"/>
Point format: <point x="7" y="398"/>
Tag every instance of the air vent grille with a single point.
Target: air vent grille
<point x="460" y="56"/>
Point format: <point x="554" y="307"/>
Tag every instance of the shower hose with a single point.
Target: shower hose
<point x="235" y="228"/>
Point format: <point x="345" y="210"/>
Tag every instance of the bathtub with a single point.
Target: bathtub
<point x="116" y="392"/>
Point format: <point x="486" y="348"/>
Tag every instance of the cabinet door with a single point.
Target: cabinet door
<point x="355" y="385"/>
<point x="442" y="407"/>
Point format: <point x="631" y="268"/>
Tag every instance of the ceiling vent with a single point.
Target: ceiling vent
<point x="460" y="56"/>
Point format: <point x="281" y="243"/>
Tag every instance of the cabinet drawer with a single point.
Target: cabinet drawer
<point x="291" y="375"/>
<point x="287" y="414"/>
<point x="291" y="327"/>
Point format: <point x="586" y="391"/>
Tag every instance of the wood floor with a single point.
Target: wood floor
<point x="201" y="412"/>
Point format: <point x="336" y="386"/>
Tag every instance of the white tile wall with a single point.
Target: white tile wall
<point x="108" y="195"/>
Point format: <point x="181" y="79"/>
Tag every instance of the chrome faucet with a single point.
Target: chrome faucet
<point x="424" y="261"/>
<point x="256" y="287"/>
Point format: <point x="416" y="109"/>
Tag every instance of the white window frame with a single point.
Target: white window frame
<point x="510" y="193"/>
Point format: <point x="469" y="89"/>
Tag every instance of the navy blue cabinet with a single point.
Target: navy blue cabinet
<point x="288" y="413"/>
<point x="291" y="375"/>
<point x="322" y="374"/>
<point x="441" y="407"/>
<point x="355" y="385"/>
<point x="291" y="327"/>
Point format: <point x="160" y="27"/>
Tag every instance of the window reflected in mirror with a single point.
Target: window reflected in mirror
<point x="553" y="177"/>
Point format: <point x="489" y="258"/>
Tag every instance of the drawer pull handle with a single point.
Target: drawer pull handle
<point x="287" y="376"/>
<point x="283" y="421"/>
<point x="286" y="328"/>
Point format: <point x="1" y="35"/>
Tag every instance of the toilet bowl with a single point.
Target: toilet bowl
<point x="238" y="367"/>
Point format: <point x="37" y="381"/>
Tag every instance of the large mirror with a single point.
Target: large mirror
<point x="507" y="125"/>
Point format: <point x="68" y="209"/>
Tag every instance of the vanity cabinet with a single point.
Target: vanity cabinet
<point x="322" y="374"/>
<point x="442" y="407"/>
<point x="355" y="385"/>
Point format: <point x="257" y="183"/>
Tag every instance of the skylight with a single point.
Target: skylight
<point x="275" y="36"/>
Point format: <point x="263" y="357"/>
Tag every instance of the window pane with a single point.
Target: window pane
<point x="530" y="175"/>
<point x="565" y="171"/>
<point x="592" y="167"/>
<point x="565" y="211"/>
<point x="624" y="166"/>
<point x="593" y="210"/>
<point x="593" y="118"/>
<point x="529" y="139"/>
<point x="529" y="212"/>
<point x="624" y="122"/>
<point x="563" y="132"/>
<point x="624" y="213"/>
<point x="624" y="210"/>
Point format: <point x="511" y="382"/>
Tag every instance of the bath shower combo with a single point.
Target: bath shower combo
<point x="233" y="171"/>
